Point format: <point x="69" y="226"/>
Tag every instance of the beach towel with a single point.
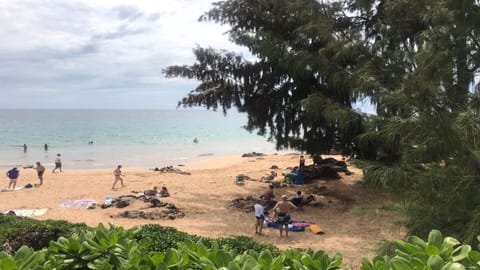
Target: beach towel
<point x="316" y="229"/>
<point x="8" y="190"/>
<point x="297" y="226"/>
<point x="304" y="224"/>
<point x="78" y="203"/>
<point x="28" y="212"/>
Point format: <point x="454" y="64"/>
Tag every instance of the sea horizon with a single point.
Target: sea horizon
<point x="131" y="137"/>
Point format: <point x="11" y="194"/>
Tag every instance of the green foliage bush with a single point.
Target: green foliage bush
<point x="437" y="253"/>
<point x="241" y="244"/>
<point x="16" y="232"/>
<point x="158" y="238"/>
<point x="116" y="248"/>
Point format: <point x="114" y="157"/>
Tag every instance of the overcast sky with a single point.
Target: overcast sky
<point x="100" y="53"/>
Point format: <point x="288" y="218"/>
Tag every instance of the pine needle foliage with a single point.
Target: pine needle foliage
<point x="416" y="61"/>
<point x="297" y="90"/>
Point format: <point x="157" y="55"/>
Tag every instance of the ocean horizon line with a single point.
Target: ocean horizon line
<point x="122" y="109"/>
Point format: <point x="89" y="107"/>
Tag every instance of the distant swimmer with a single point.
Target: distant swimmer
<point x="90" y="142"/>
<point x="195" y="140"/>
<point x="45" y="147"/>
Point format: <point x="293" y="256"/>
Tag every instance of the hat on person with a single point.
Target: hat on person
<point x="284" y="196"/>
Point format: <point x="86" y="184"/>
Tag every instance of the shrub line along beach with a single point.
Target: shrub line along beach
<point x="204" y="196"/>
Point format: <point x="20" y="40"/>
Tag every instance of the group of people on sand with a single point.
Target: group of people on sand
<point x="283" y="208"/>
<point x="281" y="213"/>
<point x="14" y="173"/>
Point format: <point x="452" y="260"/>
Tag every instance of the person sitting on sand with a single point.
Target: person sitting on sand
<point x="151" y="192"/>
<point x="164" y="192"/>
<point x="268" y="194"/>
<point x="269" y="177"/>
<point x="118" y="176"/>
<point x="297" y="200"/>
<point x="283" y="208"/>
<point x="40" y="171"/>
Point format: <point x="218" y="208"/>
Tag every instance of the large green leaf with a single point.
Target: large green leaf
<point x="435" y="238"/>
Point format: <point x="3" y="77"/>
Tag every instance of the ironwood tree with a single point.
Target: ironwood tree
<point x="415" y="60"/>
<point x="296" y="87"/>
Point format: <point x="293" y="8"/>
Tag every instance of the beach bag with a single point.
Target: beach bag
<point x="122" y="204"/>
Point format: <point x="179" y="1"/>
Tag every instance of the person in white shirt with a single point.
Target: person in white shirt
<point x="260" y="218"/>
<point x="58" y="164"/>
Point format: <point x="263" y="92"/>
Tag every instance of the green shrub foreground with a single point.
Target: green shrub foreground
<point x="117" y="248"/>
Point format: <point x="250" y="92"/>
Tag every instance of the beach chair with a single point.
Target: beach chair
<point x="239" y="179"/>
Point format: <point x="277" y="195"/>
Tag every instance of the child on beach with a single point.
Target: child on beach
<point x="164" y="192"/>
<point x="260" y="218"/>
<point x="58" y="164"/>
<point x="118" y="177"/>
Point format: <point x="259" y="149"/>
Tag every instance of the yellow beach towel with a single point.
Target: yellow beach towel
<point x="316" y="229"/>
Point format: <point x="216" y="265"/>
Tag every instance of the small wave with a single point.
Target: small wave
<point x="84" y="160"/>
<point x="12" y="165"/>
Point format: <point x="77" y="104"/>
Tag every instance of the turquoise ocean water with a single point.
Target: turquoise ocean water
<point x="133" y="138"/>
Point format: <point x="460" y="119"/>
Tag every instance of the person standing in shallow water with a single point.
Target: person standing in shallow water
<point x="24" y="147"/>
<point x="45" y="147"/>
<point x="117" y="173"/>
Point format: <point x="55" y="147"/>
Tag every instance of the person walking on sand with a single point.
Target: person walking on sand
<point x="118" y="177"/>
<point x="260" y="218"/>
<point x="58" y="164"/>
<point x="13" y="175"/>
<point x="40" y="171"/>
<point x="283" y="208"/>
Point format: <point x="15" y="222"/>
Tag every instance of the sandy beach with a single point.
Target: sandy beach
<point x="343" y="212"/>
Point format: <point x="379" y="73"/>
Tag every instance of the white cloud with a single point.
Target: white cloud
<point x="64" y="52"/>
